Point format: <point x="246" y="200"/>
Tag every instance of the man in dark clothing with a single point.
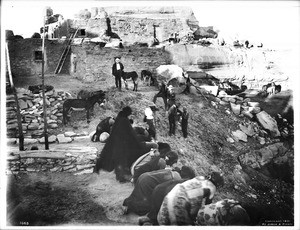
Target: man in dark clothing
<point x="117" y="71"/>
<point x="139" y="200"/>
<point x="188" y="85"/>
<point x="184" y="122"/>
<point x="172" y="115"/>
<point x="163" y="93"/>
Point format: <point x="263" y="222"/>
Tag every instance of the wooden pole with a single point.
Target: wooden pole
<point x="19" y="117"/>
<point x="43" y="86"/>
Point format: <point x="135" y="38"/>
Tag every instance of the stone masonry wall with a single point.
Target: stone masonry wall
<point x="75" y="159"/>
<point x="141" y="29"/>
<point x="22" y="56"/>
<point x="93" y="62"/>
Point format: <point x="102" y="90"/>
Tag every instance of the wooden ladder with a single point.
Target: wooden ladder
<point x="64" y="55"/>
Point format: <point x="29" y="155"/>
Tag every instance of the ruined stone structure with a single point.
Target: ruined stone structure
<point x="26" y="56"/>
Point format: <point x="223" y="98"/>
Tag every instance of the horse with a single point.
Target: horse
<point x="35" y="89"/>
<point x="86" y="104"/>
<point x="84" y="94"/>
<point x="146" y="75"/>
<point x="271" y="88"/>
<point x="133" y="76"/>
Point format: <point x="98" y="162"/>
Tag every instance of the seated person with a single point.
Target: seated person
<point x="104" y="126"/>
<point x="181" y="205"/>
<point x="139" y="200"/>
<point x="161" y="191"/>
<point x="151" y="162"/>
<point x="224" y="212"/>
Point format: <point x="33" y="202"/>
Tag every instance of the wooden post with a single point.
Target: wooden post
<point x="43" y="86"/>
<point x="19" y="118"/>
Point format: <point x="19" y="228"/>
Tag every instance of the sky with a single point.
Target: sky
<point x="274" y="23"/>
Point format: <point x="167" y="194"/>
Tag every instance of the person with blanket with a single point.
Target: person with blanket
<point x="182" y="203"/>
<point x="152" y="161"/>
<point x="224" y="212"/>
<point x="161" y="191"/>
<point x="139" y="200"/>
<point x="122" y="147"/>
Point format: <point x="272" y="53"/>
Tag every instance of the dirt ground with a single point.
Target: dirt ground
<point x="64" y="199"/>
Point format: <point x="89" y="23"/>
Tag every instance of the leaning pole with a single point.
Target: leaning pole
<point x="43" y="85"/>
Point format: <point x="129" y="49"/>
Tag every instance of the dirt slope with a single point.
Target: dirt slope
<point x="97" y="199"/>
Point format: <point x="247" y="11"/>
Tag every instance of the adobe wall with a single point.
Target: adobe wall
<point x="22" y="56"/>
<point x="94" y="62"/>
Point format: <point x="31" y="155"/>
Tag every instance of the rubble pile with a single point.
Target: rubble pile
<point x="31" y="108"/>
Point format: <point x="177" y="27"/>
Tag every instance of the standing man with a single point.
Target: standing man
<point x="163" y="93"/>
<point x="172" y="115"/>
<point x="149" y="118"/>
<point x="184" y="122"/>
<point x="117" y="71"/>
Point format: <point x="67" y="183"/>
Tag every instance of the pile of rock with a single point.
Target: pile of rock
<point x="76" y="159"/>
<point x="275" y="160"/>
<point x="31" y="108"/>
<point x="263" y="130"/>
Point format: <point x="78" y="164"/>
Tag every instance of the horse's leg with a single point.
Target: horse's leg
<point x="65" y="115"/>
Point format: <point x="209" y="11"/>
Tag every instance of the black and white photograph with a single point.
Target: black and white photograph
<point x="121" y="114"/>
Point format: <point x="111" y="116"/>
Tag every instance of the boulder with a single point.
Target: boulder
<point x="236" y="109"/>
<point x="51" y="139"/>
<point x="70" y="134"/>
<point x="23" y="104"/>
<point x="239" y="135"/>
<point x="33" y="126"/>
<point x="210" y="89"/>
<point x="168" y="72"/>
<point x="28" y="141"/>
<point x="62" y="139"/>
<point x="247" y="114"/>
<point x="248" y="130"/>
<point x="268" y="123"/>
<point x="259" y="158"/>
<point x="53" y="125"/>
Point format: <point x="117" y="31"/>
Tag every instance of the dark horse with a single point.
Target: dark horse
<point x="271" y="88"/>
<point x="133" y="76"/>
<point x="84" y="94"/>
<point x="87" y="104"/>
<point x="146" y="75"/>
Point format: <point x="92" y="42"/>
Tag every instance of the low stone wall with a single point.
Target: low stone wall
<point x="75" y="159"/>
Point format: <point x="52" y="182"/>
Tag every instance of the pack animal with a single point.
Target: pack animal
<point x="84" y="94"/>
<point x="146" y="76"/>
<point x="271" y="88"/>
<point x="35" y="89"/>
<point x="86" y="104"/>
<point x="133" y="76"/>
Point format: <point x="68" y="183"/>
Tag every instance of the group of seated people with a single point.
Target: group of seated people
<point x="163" y="195"/>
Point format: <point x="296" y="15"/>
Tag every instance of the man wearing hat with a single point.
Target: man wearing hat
<point x="117" y="71"/>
